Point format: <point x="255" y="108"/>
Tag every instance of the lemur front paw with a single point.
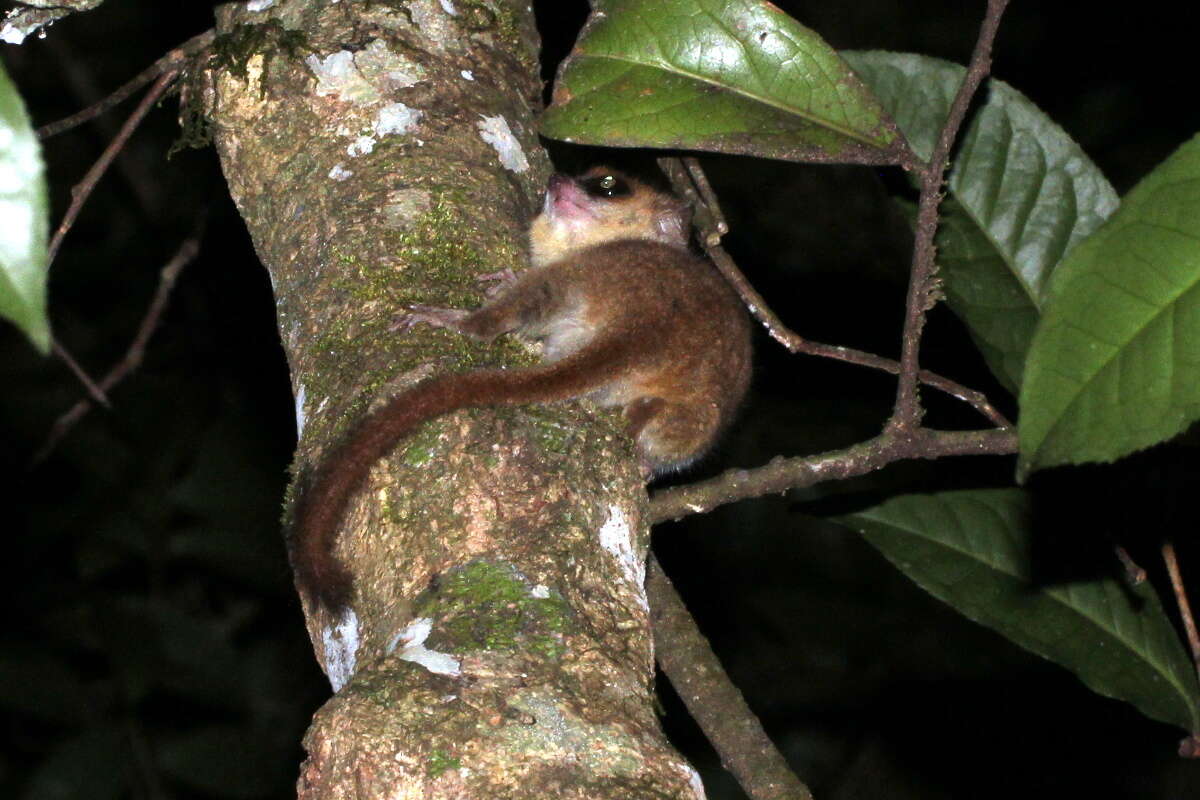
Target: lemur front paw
<point x="503" y="279"/>
<point x="431" y="315"/>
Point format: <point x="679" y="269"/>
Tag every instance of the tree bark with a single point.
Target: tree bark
<point x="384" y="153"/>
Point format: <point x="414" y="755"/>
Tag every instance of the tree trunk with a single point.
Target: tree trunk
<point x="384" y="153"/>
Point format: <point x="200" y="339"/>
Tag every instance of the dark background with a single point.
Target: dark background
<point x="154" y="647"/>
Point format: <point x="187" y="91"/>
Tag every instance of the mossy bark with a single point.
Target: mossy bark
<point x="384" y="153"/>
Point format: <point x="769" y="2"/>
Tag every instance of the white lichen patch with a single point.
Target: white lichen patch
<point x="388" y="68"/>
<point x="22" y="22"/>
<point x="11" y="34"/>
<point x="558" y="734"/>
<point x="437" y="25"/>
<point x="301" y="395"/>
<point x="340" y="642"/>
<point x="396" y="118"/>
<point x="259" y="5"/>
<point x="340" y="173"/>
<point x="541" y="591"/>
<point x="339" y="76"/>
<point x="360" y="146"/>
<point x="404" y="78"/>
<point x="495" y="131"/>
<point x="694" y="781"/>
<point x="411" y="642"/>
<point x="616" y="536"/>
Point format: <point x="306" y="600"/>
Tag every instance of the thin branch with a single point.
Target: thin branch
<point x="781" y="474"/>
<point x="717" y="226"/>
<point x="1133" y="573"/>
<point x="921" y="286"/>
<point x="687" y="659"/>
<point x="95" y="391"/>
<point x="1181" y="601"/>
<point x="173" y="61"/>
<point x="712" y="226"/>
<point x="137" y="348"/>
<point x="83" y="189"/>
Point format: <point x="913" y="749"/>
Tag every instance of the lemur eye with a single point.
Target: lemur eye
<point x="607" y="186"/>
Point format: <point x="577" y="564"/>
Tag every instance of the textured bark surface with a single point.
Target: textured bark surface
<point x="498" y="646"/>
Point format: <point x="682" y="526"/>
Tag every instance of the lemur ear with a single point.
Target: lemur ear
<point x="674" y="220"/>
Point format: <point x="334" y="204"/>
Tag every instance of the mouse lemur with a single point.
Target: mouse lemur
<point x="628" y="317"/>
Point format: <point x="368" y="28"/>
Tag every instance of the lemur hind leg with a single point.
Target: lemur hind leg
<point x="670" y="436"/>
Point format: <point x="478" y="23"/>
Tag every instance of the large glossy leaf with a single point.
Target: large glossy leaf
<point x="1115" y="363"/>
<point x="23" y="210"/>
<point x="732" y="76"/>
<point x="971" y="550"/>
<point x="1023" y="195"/>
<point x="983" y="291"/>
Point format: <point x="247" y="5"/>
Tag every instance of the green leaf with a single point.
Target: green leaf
<point x="730" y="76"/>
<point x="23" y="208"/>
<point x="916" y="91"/>
<point x="1024" y="193"/>
<point x="1115" y="363"/>
<point x="971" y="549"/>
<point x="983" y="291"/>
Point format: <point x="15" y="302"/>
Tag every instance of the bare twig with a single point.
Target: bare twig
<point x="137" y="348"/>
<point x="687" y="659"/>
<point x="173" y="61"/>
<point x="1133" y="573"/>
<point x="92" y="389"/>
<point x="921" y="286"/>
<point x="782" y="474"/>
<point x="718" y="227"/>
<point x="712" y="227"/>
<point x="1181" y="600"/>
<point x="1190" y="747"/>
<point x="83" y="189"/>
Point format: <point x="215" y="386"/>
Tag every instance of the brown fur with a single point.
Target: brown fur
<point x="629" y="319"/>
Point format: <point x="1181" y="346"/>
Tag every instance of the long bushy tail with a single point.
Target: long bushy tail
<point x="323" y="501"/>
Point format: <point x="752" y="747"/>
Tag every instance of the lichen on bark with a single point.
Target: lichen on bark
<point x="498" y="645"/>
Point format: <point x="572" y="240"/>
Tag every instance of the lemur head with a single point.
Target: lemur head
<point x="603" y="205"/>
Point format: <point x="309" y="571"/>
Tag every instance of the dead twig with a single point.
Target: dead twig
<point x="82" y="190"/>
<point x="173" y="61"/>
<point x="1133" y="573"/>
<point x="92" y="389"/>
<point x="137" y="348"/>
<point x="1181" y="602"/>
<point x="689" y="180"/>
